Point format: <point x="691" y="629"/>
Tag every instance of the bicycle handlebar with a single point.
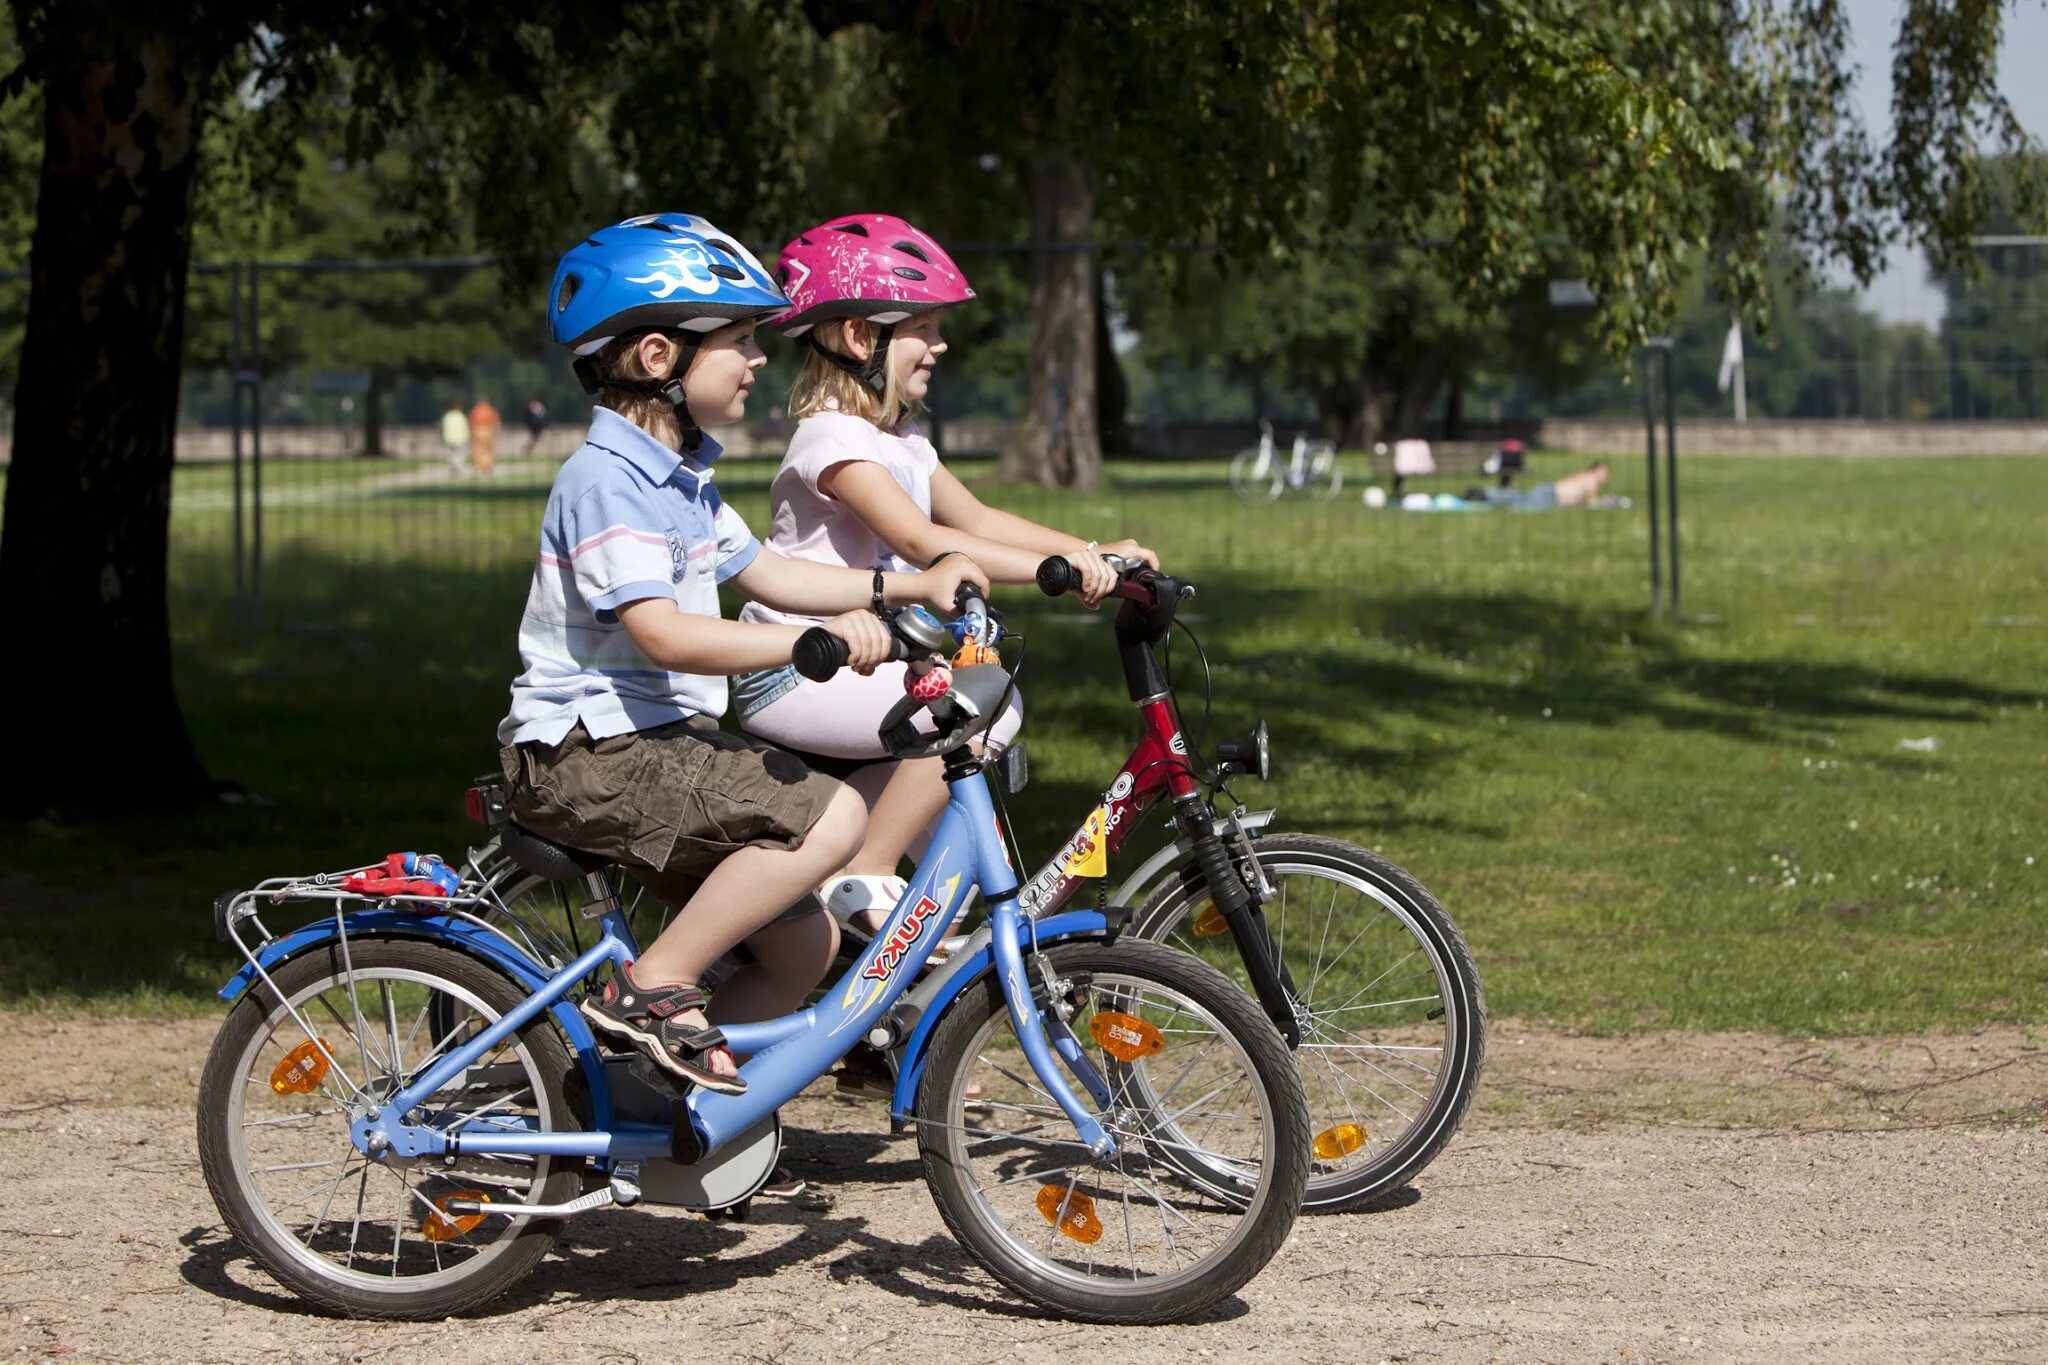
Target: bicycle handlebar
<point x="1057" y="577"/>
<point x="819" y="654"/>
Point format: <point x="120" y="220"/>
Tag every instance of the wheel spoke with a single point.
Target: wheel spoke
<point x="273" y="1139"/>
<point x="1388" y="997"/>
<point x="1191" y="1141"/>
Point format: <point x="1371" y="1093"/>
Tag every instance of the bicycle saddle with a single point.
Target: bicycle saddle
<point x="543" y="857"/>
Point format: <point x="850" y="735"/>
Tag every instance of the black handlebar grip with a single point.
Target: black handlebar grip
<point x="1057" y="577"/>
<point x="819" y="654"/>
<point x="968" y="599"/>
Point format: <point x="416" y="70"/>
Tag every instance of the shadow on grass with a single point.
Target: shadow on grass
<point x="1605" y="667"/>
<point x="359" y="741"/>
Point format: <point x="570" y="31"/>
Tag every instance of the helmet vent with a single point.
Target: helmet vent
<point x="855" y="228"/>
<point x="911" y="249"/>
<point x="568" y="291"/>
<point x="720" y="244"/>
<point x="726" y="272"/>
<point x="909" y="272"/>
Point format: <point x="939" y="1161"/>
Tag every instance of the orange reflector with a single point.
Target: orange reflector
<point x="303" y="1068"/>
<point x="1079" y="1221"/>
<point x="443" y="1226"/>
<point x="1342" y="1140"/>
<point x="1210" y="923"/>
<point x="1124" y="1036"/>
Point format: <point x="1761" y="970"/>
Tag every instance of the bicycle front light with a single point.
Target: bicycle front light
<point x="1251" y="755"/>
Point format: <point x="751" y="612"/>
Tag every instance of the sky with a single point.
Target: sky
<point x="1902" y="293"/>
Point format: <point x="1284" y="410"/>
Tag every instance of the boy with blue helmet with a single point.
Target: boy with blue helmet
<point x="612" y="745"/>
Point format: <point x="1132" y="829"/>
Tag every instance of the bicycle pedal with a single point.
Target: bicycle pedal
<point x="656" y="1079"/>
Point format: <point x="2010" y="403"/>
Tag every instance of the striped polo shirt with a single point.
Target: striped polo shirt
<point x="628" y="518"/>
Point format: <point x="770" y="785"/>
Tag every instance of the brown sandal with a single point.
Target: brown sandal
<point x="647" y="1018"/>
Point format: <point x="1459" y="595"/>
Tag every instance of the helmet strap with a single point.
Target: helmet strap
<point x="669" y="390"/>
<point x="874" y="371"/>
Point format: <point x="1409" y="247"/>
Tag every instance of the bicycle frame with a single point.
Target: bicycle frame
<point x="788" y="1053"/>
<point x="1160" y="765"/>
<point x="1156" y="767"/>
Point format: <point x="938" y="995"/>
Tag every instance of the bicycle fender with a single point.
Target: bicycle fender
<point x="457" y="934"/>
<point x="1171" y="855"/>
<point x="1064" y="927"/>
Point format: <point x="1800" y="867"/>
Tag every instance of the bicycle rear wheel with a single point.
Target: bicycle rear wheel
<point x="1397" y="1033"/>
<point x="367" y="1238"/>
<point x="1206" y="1110"/>
<point x="1254" y="478"/>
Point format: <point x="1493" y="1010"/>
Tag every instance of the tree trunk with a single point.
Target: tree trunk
<point x="1418" y="390"/>
<point x="86" y="536"/>
<point x="373" y="415"/>
<point x="1351" y="413"/>
<point x="1112" y="392"/>
<point x="1057" y="443"/>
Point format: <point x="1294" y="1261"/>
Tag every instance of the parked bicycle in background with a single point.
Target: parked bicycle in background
<point x="1259" y="474"/>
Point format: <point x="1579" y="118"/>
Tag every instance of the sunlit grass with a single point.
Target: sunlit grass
<point x="1734" y="821"/>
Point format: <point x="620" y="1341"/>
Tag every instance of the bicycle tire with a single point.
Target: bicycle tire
<point x="1245" y="481"/>
<point x="1397" y="1146"/>
<point x="1325" y="473"/>
<point x="1268" y="1149"/>
<point x="303" y="1263"/>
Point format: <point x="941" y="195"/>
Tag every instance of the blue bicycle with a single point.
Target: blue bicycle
<point x="404" y="1105"/>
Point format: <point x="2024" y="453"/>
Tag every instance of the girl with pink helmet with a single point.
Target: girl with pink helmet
<point x="862" y="487"/>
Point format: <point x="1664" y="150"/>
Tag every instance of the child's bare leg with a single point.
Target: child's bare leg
<point x="905" y="808"/>
<point x="743" y="895"/>
<point x="903" y="799"/>
<point x="790" y="957"/>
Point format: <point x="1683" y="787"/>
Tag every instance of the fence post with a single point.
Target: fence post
<point x="255" y="436"/>
<point x="235" y="380"/>
<point x="1671" y="468"/>
<point x="1649" y="370"/>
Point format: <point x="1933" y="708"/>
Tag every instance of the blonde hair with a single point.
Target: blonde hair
<point x="822" y="386"/>
<point x="619" y="358"/>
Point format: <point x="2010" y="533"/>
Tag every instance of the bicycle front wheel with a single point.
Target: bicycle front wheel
<point x="1204" y="1105"/>
<point x="1325" y="475"/>
<point x="372" y="1239"/>
<point x="1397" y="1029"/>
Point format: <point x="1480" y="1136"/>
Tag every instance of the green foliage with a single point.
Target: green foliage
<point x="21" y="157"/>
<point x="1661" y="143"/>
<point x="1946" y="108"/>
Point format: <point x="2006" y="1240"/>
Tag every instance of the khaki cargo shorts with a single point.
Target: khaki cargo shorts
<point x="668" y="803"/>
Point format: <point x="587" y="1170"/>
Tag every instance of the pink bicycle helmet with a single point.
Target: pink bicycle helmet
<point x="865" y="265"/>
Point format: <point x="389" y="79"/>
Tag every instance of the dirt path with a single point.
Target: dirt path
<point x="1670" y="1197"/>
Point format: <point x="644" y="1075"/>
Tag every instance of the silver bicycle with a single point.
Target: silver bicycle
<point x="1260" y="474"/>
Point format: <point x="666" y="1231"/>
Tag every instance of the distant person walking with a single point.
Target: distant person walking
<point x="483" y="436"/>
<point x="455" y="434"/>
<point x="536" y="422"/>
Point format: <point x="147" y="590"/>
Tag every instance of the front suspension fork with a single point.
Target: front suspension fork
<point x="1270" y="980"/>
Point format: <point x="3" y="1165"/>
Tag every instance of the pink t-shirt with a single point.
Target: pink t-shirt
<point x="810" y="525"/>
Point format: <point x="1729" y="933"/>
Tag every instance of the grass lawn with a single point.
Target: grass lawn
<point x="1714" y="824"/>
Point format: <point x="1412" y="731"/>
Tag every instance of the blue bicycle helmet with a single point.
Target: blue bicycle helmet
<point x="667" y="272"/>
<point x="672" y="271"/>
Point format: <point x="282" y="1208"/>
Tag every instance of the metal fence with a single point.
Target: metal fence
<point x="313" y="470"/>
